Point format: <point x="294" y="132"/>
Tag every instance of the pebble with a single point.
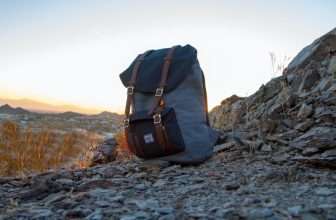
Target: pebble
<point x="232" y="186"/>
<point x="324" y="191"/>
<point x="164" y="210"/>
<point x="159" y="183"/>
<point x="295" y="210"/>
<point x="149" y="204"/>
<point x="260" y="213"/>
<point x="136" y="216"/>
<point x="96" y="215"/>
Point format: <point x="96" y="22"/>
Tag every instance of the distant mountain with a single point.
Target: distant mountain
<point x="107" y="114"/>
<point x="7" y="109"/>
<point x="70" y="114"/>
<point x="37" y="106"/>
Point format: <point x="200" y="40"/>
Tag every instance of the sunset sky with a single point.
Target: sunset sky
<point x="72" y="51"/>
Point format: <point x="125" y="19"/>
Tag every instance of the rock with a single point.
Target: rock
<point x="136" y="216"/>
<point x="327" y="206"/>
<point x="164" y="210"/>
<point x="324" y="84"/>
<point x="304" y="126"/>
<point x="140" y="186"/>
<point x="102" y="203"/>
<point x="310" y="79"/>
<point x="149" y="204"/>
<point x="332" y="66"/>
<point x="159" y="183"/>
<point x="43" y="214"/>
<point x="318" y="50"/>
<point x="308" y="151"/>
<point x="321" y="137"/>
<point x="325" y="114"/>
<point x="329" y="153"/>
<point x="93" y="184"/>
<point x="259" y="213"/>
<point x="266" y="148"/>
<point x="218" y="119"/>
<point x="119" y="199"/>
<point x="305" y="111"/>
<point x="324" y="191"/>
<point x="275" y="111"/>
<point x="53" y="198"/>
<point x="104" y="153"/>
<point x="155" y="164"/>
<point x="96" y="215"/>
<point x="191" y="188"/>
<point x="37" y="192"/>
<point x="78" y="212"/>
<point x="318" y="161"/>
<point x="295" y="210"/>
<point x="223" y="147"/>
<point x="232" y="186"/>
<point x="65" y="182"/>
<point x="167" y="217"/>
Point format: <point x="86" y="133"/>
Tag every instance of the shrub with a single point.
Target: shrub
<point x="24" y="151"/>
<point x="123" y="150"/>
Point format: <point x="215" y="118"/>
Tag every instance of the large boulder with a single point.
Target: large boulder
<point x="317" y="51"/>
<point x="103" y="153"/>
<point x="296" y="111"/>
<point x="223" y="116"/>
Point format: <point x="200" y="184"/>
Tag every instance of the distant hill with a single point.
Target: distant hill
<point x="107" y="114"/>
<point x="7" y="109"/>
<point x="70" y="114"/>
<point x="42" y="107"/>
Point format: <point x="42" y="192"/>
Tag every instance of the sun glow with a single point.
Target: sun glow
<point x="73" y="52"/>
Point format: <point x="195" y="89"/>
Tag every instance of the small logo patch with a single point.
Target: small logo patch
<point x="148" y="138"/>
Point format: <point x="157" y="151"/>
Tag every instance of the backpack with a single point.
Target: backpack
<point x="166" y="113"/>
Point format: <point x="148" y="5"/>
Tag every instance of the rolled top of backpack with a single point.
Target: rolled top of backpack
<point x="150" y="69"/>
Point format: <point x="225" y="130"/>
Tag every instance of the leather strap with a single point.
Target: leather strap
<point x="165" y="135"/>
<point x="130" y="140"/>
<point x="130" y="102"/>
<point x="131" y="84"/>
<point x="160" y="137"/>
<point x="164" y="76"/>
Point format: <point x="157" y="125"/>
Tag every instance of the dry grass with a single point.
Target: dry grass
<point x="23" y="151"/>
<point x="123" y="150"/>
<point x="278" y="63"/>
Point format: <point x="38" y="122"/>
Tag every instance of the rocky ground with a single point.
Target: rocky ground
<point x="276" y="160"/>
<point x="234" y="184"/>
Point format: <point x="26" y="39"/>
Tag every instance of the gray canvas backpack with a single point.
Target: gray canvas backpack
<point x="166" y="109"/>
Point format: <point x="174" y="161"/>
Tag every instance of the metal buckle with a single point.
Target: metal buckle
<point x="157" y="118"/>
<point x="159" y="92"/>
<point x="126" y="122"/>
<point x="130" y="90"/>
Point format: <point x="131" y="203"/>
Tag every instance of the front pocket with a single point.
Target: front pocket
<point x="145" y="137"/>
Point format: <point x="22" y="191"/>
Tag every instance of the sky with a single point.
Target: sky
<point x="72" y="51"/>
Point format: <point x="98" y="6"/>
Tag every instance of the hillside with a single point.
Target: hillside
<point x="7" y="109"/>
<point x="104" y="123"/>
<point x="295" y="112"/>
<point x="42" y="107"/>
<point x="276" y="161"/>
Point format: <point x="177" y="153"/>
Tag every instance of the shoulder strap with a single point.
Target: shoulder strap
<point x="164" y="76"/>
<point x="131" y="84"/>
